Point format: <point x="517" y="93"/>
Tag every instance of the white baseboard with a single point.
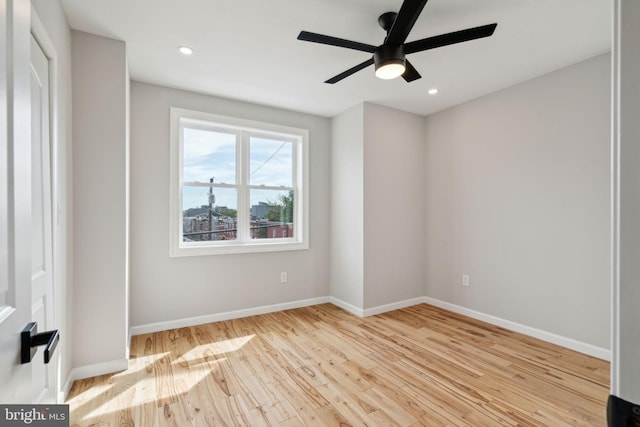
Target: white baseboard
<point x="589" y="349"/>
<point x="89" y="371"/>
<point x="356" y="311"/>
<point x="103" y="368"/>
<point x="393" y="306"/>
<point x="66" y="388"/>
<point x="217" y="317"/>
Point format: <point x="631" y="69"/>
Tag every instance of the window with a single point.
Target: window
<point x="236" y="185"/>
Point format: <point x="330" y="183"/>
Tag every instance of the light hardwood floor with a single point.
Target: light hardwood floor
<point x="321" y="366"/>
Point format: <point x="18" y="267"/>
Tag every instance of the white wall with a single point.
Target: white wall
<point x="53" y="19"/>
<point x="517" y="197"/>
<point x="394" y="203"/>
<point x="165" y="289"/>
<point x="377" y="207"/>
<point x="347" y="207"/>
<point x="100" y="150"/>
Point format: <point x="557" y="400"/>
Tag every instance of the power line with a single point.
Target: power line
<point x="269" y="158"/>
<point x="197" y="197"/>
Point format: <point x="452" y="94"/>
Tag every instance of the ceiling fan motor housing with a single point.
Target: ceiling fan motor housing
<point x="386" y="54"/>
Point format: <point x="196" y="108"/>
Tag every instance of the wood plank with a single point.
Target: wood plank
<point x="319" y="365"/>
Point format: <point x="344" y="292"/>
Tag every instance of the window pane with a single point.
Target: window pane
<point x="271" y="214"/>
<point x="209" y="154"/>
<point x="270" y="162"/>
<point x="204" y="205"/>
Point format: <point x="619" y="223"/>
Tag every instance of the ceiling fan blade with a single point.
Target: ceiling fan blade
<point x="334" y="41"/>
<point x="410" y="74"/>
<point x="350" y="71"/>
<point x="450" y="38"/>
<point x="407" y="16"/>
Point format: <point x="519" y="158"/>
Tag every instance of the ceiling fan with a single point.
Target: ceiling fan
<point x="389" y="58"/>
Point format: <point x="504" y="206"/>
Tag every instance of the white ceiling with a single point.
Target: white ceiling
<point x="247" y="49"/>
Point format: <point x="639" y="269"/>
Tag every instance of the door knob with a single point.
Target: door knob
<point x="30" y="340"/>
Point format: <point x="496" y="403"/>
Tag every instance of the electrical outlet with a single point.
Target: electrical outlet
<point x="465" y="280"/>
<point x="283" y="277"/>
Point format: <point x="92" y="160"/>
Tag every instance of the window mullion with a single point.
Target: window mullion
<point x="242" y="161"/>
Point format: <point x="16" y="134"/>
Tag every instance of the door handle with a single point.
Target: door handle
<point x="30" y="340"/>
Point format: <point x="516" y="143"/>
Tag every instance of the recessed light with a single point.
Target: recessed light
<point x="185" y="50"/>
<point x="433" y="91"/>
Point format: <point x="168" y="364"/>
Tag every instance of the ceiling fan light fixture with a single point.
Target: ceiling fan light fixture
<point x="389" y="62"/>
<point x="390" y="70"/>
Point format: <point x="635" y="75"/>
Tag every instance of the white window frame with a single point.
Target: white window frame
<point x="243" y="243"/>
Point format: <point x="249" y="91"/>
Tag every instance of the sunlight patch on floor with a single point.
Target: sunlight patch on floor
<point x="216" y="348"/>
<point x="151" y="388"/>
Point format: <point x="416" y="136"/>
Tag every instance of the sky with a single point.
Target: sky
<point x="208" y="154"/>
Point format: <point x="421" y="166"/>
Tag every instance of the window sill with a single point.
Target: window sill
<point x="236" y="248"/>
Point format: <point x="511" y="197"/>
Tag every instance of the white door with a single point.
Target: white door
<point x="43" y="375"/>
<point x="15" y="198"/>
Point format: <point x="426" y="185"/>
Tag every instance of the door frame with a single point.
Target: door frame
<point x="42" y="37"/>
